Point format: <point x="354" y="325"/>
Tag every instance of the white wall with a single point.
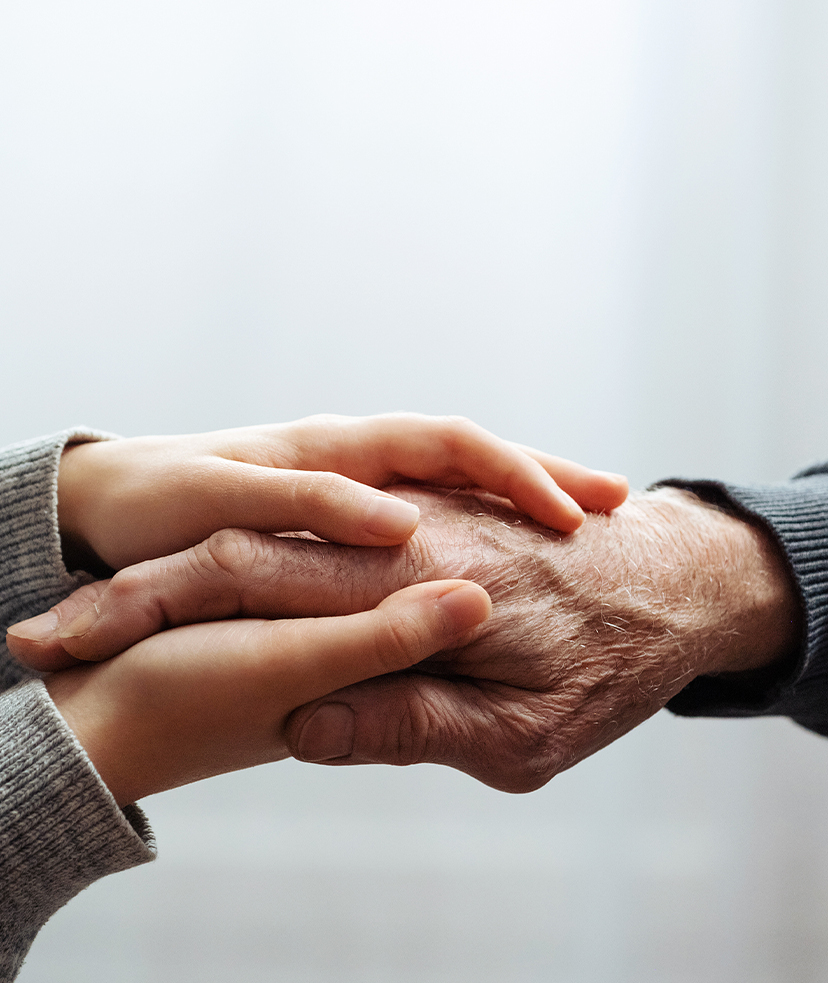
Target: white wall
<point x="597" y="227"/>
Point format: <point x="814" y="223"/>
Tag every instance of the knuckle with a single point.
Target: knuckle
<point x="310" y="427"/>
<point x="402" y="639"/>
<point x="403" y="733"/>
<point x="228" y="551"/>
<point x="325" y="420"/>
<point x="527" y="758"/>
<point x="128" y="582"/>
<point x="460" y="423"/>
<point x="87" y="594"/>
<point x="295" y="439"/>
<point x="456" y="432"/>
<point x="320" y="490"/>
<point x="420" y="560"/>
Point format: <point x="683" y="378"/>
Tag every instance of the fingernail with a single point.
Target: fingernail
<point x="465" y="606"/>
<point x="327" y="734"/>
<point x="391" y="518"/>
<point x="81" y="624"/>
<point x="37" y="629"/>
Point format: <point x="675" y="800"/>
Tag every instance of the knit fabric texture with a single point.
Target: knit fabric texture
<point x="796" y="515"/>
<point x="60" y="829"/>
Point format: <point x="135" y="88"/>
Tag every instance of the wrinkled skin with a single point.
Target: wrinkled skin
<point x="590" y="633"/>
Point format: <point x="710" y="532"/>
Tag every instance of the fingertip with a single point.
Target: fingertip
<point x="34" y="643"/>
<point x="16" y="644"/>
<point x="390" y="519"/>
<point x="610" y="491"/>
<point x="47" y="656"/>
<point x="566" y="515"/>
<point x="38" y="629"/>
<point x="464" y="606"/>
<point x="575" y="518"/>
<point x="620" y="486"/>
<point x="80" y="625"/>
<point x="584" y="490"/>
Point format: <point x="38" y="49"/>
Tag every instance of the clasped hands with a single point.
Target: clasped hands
<point x="493" y="631"/>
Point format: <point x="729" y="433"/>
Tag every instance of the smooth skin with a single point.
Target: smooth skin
<point x="124" y="501"/>
<point x="210" y="698"/>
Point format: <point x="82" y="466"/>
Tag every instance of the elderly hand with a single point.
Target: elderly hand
<point x="590" y="633"/>
<point x="123" y="501"/>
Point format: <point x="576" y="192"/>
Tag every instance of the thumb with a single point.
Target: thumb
<point x="498" y="734"/>
<point x="404" y="629"/>
<point x="235" y="573"/>
<point x="36" y="643"/>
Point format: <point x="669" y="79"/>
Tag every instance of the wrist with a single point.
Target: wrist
<point x="89" y="722"/>
<point x="74" y="481"/>
<point x="743" y="607"/>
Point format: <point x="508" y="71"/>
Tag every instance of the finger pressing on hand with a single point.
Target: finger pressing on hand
<point x="404" y="629"/>
<point x="329" y="505"/>
<point x="596" y="491"/>
<point x="448" y="451"/>
<point x="499" y="735"/>
<point x="233" y="573"/>
<point x="209" y="698"/>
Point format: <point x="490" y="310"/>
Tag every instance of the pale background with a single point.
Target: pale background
<point x="598" y="226"/>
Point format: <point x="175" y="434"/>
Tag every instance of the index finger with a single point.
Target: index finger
<point x="449" y="451"/>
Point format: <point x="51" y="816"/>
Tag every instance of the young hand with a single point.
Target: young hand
<point x="198" y="701"/>
<point x="123" y="501"/>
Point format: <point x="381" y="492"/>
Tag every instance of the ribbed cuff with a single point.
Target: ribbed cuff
<point x="60" y="828"/>
<point x="796" y="515"/>
<point x="32" y="574"/>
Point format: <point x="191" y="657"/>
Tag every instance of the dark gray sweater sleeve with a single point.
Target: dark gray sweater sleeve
<point x="796" y="514"/>
<point x="60" y="829"/>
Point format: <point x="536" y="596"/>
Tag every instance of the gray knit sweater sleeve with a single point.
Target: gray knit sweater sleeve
<point x="796" y="514"/>
<point x="60" y="829"/>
